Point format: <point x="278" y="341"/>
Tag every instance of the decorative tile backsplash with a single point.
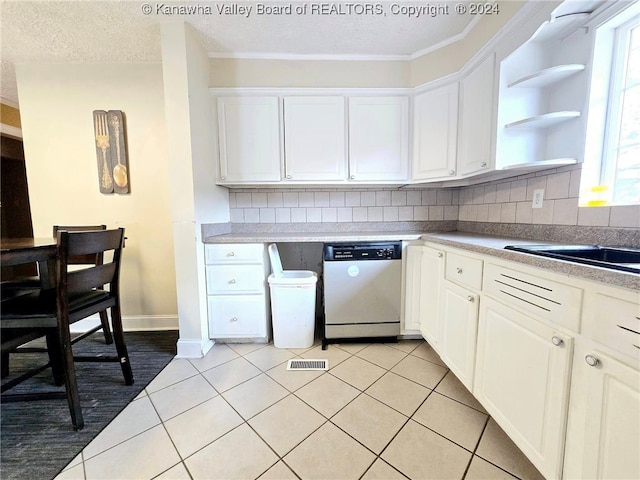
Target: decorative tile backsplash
<point x="321" y="205"/>
<point x="510" y="201"/>
<point x="498" y="201"/>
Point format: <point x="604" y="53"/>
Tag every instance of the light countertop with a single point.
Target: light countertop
<point x="494" y="246"/>
<point x="474" y="242"/>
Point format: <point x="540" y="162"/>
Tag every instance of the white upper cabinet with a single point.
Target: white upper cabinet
<point x="249" y="139"/>
<point x="315" y="138"/>
<point x="477" y="122"/>
<point x="378" y="138"/>
<point x="435" y="128"/>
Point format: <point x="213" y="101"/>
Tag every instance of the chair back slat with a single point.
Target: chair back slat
<point x="93" y="242"/>
<point x="81" y="259"/>
<point x="89" y="278"/>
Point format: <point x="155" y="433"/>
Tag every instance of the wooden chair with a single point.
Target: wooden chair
<point x="78" y="295"/>
<point x="89" y="259"/>
<point x="13" y="288"/>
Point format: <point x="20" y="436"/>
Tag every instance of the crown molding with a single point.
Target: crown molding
<point x="315" y="57"/>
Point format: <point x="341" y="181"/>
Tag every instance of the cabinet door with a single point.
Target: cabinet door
<point x="459" y="327"/>
<point x="314" y="138"/>
<point x="612" y="423"/>
<point x="249" y="139"/>
<point x="429" y="294"/>
<point x="413" y="257"/>
<point x="522" y="379"/>
<point x="477" y="121"/>
<point x="378" y="138"/>
<point x="435" y="130"/>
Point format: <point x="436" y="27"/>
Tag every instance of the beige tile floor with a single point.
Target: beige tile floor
<point x="382" y="411"/>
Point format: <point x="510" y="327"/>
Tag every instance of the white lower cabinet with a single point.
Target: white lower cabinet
<point x="603" y="440"/>
<point x="522" y="378"/>
<point x="237" y="294"/>
<point x="554" y="359"/>
<point x="413" y="273"/>
<point x="448" y="312"/>
<point x="458" y="330"/>
<point x="236" y="316"/>
<point x="603" y="437"/>
<point x="424" y="273"/>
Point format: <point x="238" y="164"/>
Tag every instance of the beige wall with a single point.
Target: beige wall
<point x="236" y="72"/>
<point x="56" y="104"/>
<point x="277" y="73"/>
<point x="451" y="58"/>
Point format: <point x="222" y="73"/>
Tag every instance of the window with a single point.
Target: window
<point x="621" y="158"/>
<point x="611" y="172"/>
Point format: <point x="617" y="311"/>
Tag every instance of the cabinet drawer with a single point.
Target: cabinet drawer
<point x="554" y="302"/>
<point x="615" y="322"/>
<point x="230" y="279"/>
<point x="237" y="316"/>
<point x="465" y="271"/>
<point x="234" y="253"/>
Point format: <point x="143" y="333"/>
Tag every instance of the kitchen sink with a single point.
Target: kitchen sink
<point x="616" y="258"/>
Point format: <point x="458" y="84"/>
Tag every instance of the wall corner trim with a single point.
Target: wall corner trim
<point x="193" y="348"/>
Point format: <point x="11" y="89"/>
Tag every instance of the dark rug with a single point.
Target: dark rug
<point x="37" y="438"/>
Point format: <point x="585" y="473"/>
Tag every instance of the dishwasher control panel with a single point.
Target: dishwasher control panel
<point x="335" y="252"/>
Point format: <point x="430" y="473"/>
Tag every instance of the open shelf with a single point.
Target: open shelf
<point x="544" y="121"/>
<point x="550" y="163"/>
<point x="548" y="76"/>
<point x="559" y="25"/>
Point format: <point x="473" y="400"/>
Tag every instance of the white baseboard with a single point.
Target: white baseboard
<point x="196" y="348"/>
<point x="193" y="348"/>
<point x="137" y="323"/>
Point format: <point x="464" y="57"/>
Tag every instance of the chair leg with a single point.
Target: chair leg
<point x="4" y="365"/>
<point x="71" y="383"/>
<point x="121" y="347"/>
<point x="55" y="357"/>
<point x="104" y="319"/>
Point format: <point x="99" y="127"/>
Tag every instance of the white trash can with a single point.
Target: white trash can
<point x="293" y="304"/>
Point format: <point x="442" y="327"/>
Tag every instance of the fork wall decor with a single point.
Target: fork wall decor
<point x="110" y="137"/>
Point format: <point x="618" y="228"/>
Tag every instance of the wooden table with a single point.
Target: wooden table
<point x="16" y="251"/>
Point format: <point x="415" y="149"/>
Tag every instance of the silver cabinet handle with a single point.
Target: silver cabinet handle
<point x="483" y="164"/>
<point x="351" y="177"/>
<point x="440" y="255"/>
<point x="233" y="319"/>
<point x="232" y="281"/>
<point x="471" y="298"/>
<point x="557" y="341"/>
<point x="231" y="254"/>
<point x="222" y="178"/>
<point x="459" y="270"/>
<point x="288" y="176"/>
<point x="591" y="361"/>
<point x="452" y="172"/>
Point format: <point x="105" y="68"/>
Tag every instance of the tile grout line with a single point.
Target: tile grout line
<point x="326" y="419"/>
<point x="473" y="453"/>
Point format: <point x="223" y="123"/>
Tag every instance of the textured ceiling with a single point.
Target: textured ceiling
<point x="119" y="31"/>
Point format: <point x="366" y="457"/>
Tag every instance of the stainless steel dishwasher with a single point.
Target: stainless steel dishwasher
<point x="362" y="291"/>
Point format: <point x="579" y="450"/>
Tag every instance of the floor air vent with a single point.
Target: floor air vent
<point x="304" y="364"/>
